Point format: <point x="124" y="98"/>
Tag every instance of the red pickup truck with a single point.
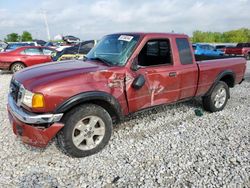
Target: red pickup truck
<point x="78" y="101"/>
<point x="22" y="57"/>
<point x="241" y="49"/>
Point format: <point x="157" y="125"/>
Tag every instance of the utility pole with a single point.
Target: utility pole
<point x="44" y="13"/>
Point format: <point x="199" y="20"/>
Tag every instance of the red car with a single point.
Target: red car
<point x="78" y="102"/>
<point x="24" y="57"/>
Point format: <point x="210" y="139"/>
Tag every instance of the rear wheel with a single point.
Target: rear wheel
<point x="17" y="67"/>
<point x="248" y="56"/>
<point x="218" y="98"/>
<point x="87" y="130"/>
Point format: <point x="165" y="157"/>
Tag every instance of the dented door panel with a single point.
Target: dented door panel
<point x="159" y="88"/>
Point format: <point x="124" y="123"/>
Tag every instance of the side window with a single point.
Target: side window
<point x="33" y="51"/>
<point x="211" y="48"/>
<point x="202" y="47"/>
<point x="206" y="47"/>
<point x="155" y="52"/>
<point x="184" y="51"/>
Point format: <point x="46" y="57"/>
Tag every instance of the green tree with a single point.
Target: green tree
<point x="12" y="37"/>
<point x="234" y="36"/>
<point x="26" y="36"/>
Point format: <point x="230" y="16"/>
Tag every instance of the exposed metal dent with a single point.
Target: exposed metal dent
<point x="155" y="89"/>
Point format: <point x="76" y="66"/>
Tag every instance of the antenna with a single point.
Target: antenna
<point x="44" y="14"/>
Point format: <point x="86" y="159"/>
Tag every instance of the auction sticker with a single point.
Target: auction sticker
<point x="125" y="38"/>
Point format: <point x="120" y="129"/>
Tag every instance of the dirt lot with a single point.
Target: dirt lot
<point x="167" y="146"/>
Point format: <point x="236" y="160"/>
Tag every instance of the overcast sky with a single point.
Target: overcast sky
<point x="93" y="19"/>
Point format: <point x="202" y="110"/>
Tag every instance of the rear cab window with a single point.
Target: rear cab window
<point x="184" y="50"/>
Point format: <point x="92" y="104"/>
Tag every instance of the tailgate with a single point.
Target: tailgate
<point x="210" y="71"/>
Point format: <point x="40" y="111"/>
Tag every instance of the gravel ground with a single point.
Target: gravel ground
<point x="166" y="147"/>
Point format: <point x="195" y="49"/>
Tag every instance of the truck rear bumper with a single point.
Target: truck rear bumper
<point x="35" y="130"/>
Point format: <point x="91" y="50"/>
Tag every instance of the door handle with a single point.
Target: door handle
<point x="172" y="74"/>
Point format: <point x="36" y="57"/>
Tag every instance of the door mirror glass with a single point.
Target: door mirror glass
<point x="138" y="82"/>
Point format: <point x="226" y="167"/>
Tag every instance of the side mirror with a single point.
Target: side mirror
<point x="134" y="65"/>
<point x="138" y="82"/>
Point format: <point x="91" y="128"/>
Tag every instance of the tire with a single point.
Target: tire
<point x="248" y="56"/>
<point x="17" y="67"/>
<point x="87" y="130"/>
<point x="217" y="100"/>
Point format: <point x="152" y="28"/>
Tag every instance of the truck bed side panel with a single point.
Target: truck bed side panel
<point x="209" y="71"/>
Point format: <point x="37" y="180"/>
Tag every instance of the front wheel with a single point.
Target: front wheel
<point x="17" y="67"/>
<point x="217" y="100"/>
<point x="87" y="130"/>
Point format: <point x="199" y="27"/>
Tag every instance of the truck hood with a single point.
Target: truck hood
<point x="49" y="72"/>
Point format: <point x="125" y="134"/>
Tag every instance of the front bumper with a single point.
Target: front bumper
<point x="31" y="127"/>
<point x="31" y="118"/>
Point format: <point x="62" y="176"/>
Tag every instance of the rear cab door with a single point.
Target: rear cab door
<point x="187" y="67"/>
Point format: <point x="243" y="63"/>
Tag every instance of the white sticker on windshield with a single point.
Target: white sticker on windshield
<point x="125" y="38"/>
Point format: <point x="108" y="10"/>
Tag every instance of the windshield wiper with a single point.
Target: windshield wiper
<point x="102" y="60"/>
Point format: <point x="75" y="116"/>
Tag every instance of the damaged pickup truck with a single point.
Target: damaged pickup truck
<point x="78" y="101"/>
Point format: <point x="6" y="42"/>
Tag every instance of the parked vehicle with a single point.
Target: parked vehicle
<point x="39" y="42"/>
<point x="70" y="39"/>
<point x="220" y="47"/>
<point x="51" y="45"/>
<point x="24" y="57"/>
<point x="2" y="45"/>
<point x="78" y="101"/>
<point x="14" y="45"/>
<point x="62" y="47"/>
<point x="207" y="50"/>
<point x="75" y="52"/>
<point x="241" y="49"/>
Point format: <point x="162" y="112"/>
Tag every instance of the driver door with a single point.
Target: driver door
<point x="157" y="74"/>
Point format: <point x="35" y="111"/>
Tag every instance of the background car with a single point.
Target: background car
<point x="39" y="42"/>
<point x="25" y="56"/>
<point x="241" y="49"/>
<point x="70" y="39"/>
<point x="14" y="45"/>
<point x="75" y="52"/>
<point x="207" y="50"/>
<point x="220" y="47"/>
<point x="2" y="45"/>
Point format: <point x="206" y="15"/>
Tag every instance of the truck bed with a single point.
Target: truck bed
<point x="206" y="57"/>
<point x="210" y="69"/>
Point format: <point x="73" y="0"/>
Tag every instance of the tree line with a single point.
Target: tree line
<point x="233" y="36"/>
<point x="15" y="37"/>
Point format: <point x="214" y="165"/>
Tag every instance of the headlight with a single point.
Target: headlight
<point x="32" y="100"/>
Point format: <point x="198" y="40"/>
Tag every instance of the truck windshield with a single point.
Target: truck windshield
<point x="114" y="49"/>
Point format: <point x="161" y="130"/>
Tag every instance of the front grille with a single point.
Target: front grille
<point x="14" y="89"/>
